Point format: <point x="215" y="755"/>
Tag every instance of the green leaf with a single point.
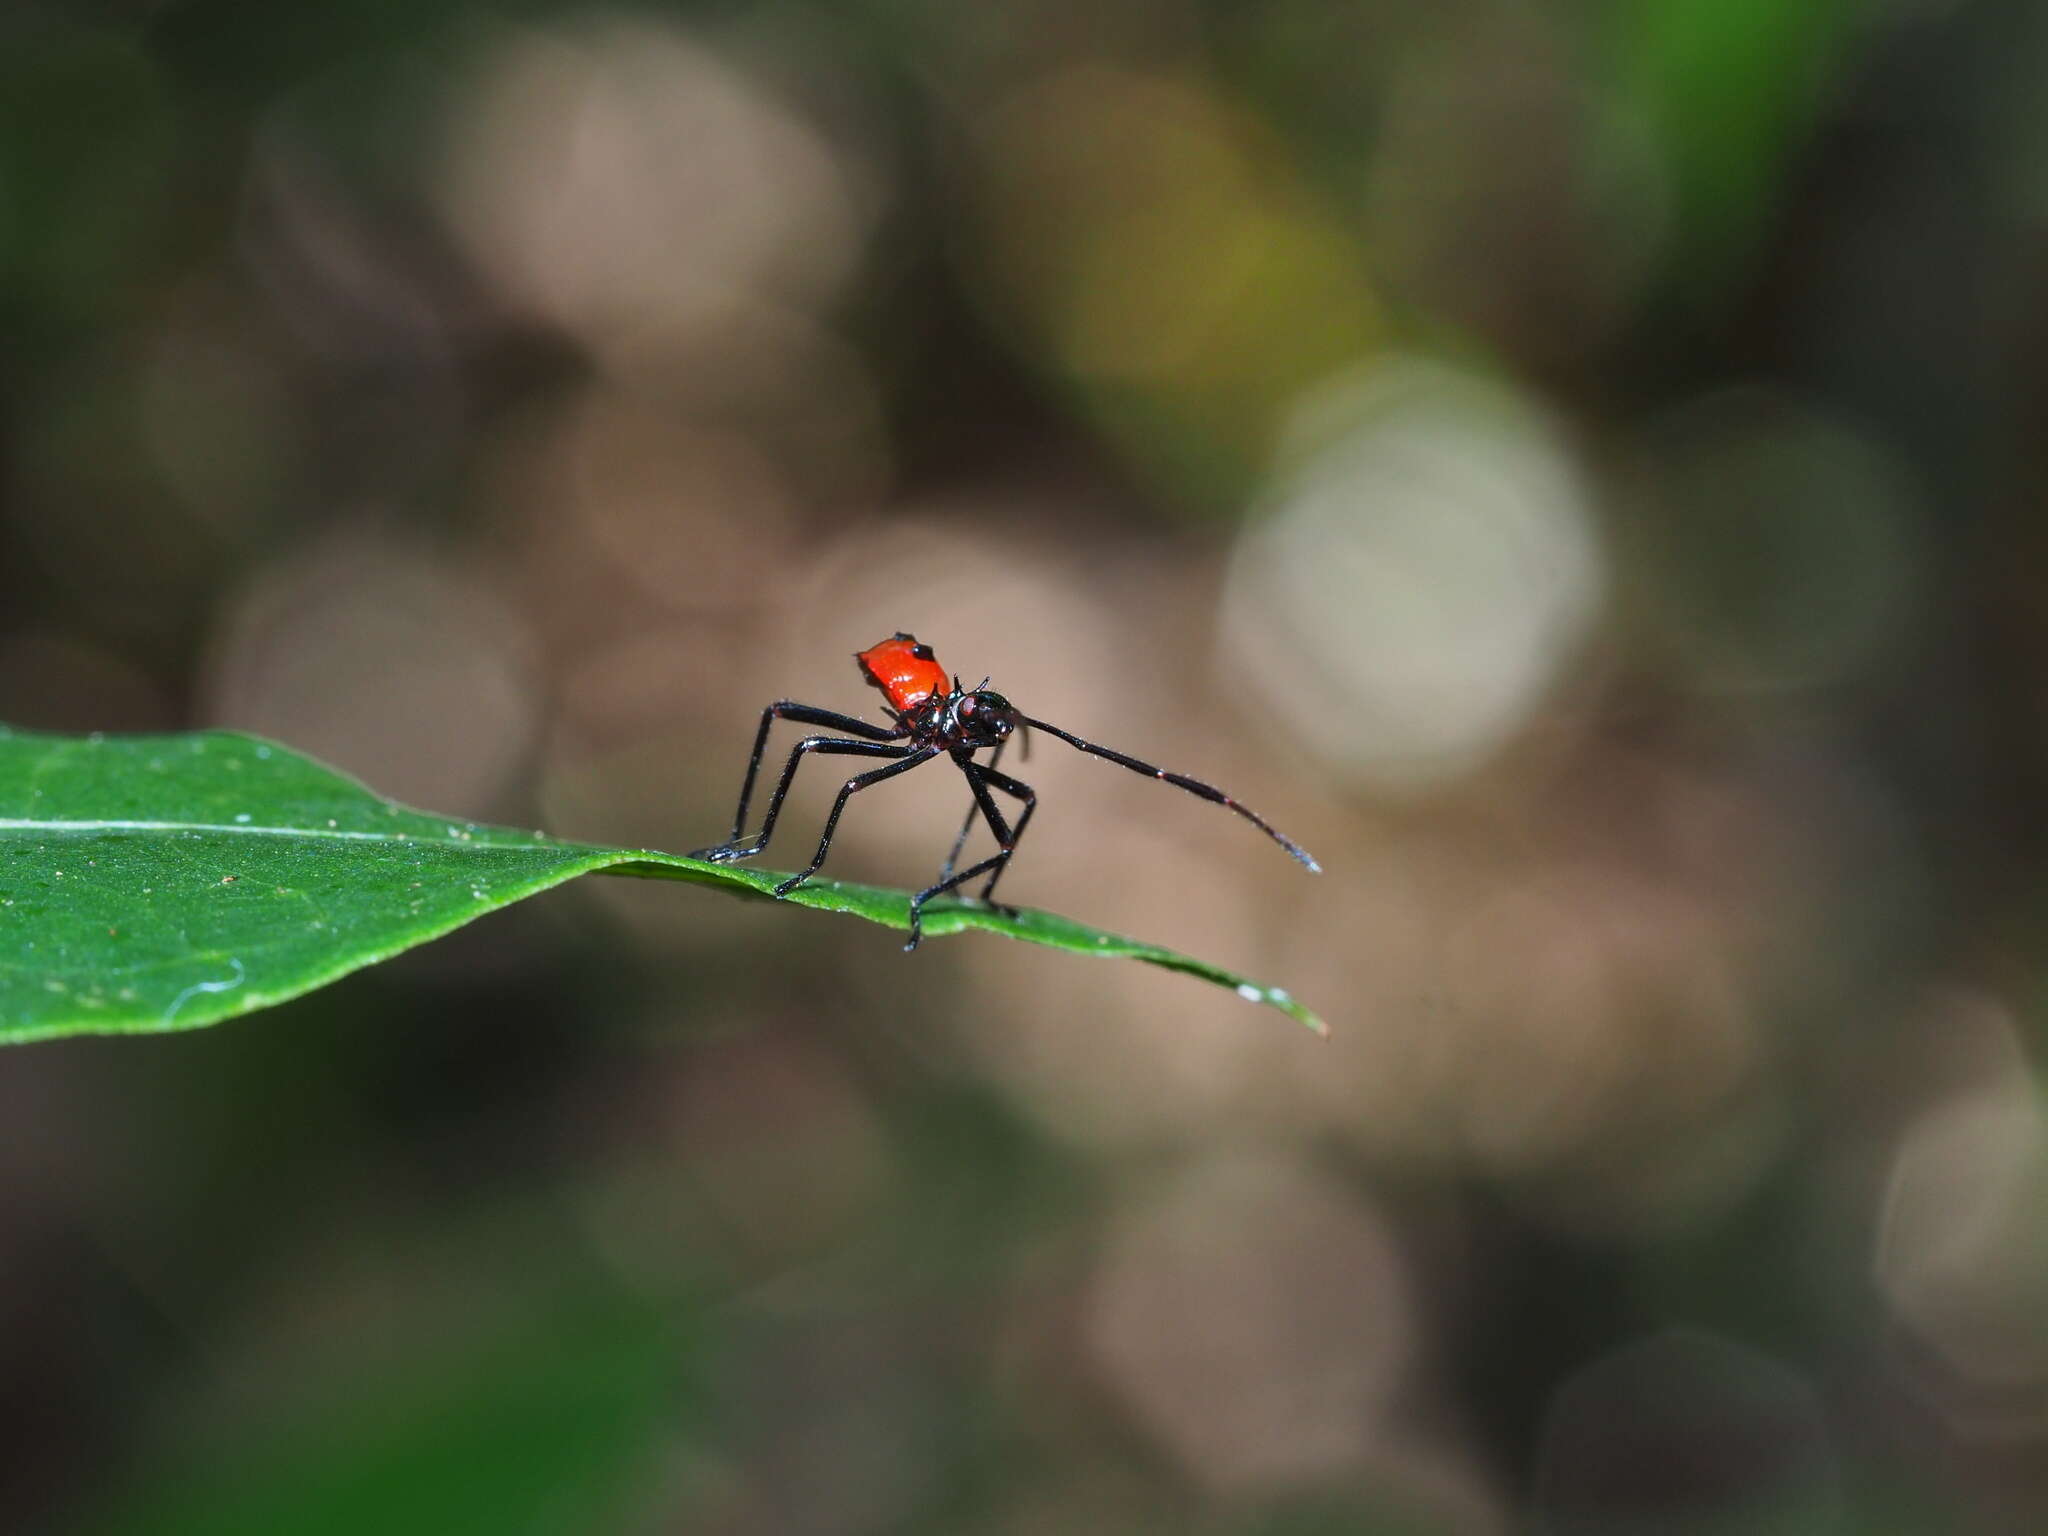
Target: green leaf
<point x="151" y="883"/>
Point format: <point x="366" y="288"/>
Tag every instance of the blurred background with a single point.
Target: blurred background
<point x="1576" y="466"/>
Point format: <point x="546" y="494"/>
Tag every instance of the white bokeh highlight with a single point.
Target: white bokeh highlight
<point x="1425" y="571"/>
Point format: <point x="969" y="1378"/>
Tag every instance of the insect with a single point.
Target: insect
<point x="931" y="716"/>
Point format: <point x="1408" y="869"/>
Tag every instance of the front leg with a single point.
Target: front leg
<point x="978" y="780"/>
<point x="973" y="810"/>
<point x="1020" y="791"/>
<point x="994" y="861"/>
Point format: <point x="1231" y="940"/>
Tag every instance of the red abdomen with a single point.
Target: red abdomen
<point x="904" y="670"/>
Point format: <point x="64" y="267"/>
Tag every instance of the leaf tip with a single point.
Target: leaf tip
<point x="1281" y="998"/>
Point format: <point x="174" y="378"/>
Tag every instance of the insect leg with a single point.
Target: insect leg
<point x="994" y="861"/>
<point x="1023" y="792"/>
<point x="726" y="853"/>
<point x="978" y="780"/>
<point x="911" y="757"/>
<point x="967" y="822"/>
<point x="802" y="714"/>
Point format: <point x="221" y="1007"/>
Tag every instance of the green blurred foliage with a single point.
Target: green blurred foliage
<point x="1730" y="93"/>
<point x="548" y="1427"/>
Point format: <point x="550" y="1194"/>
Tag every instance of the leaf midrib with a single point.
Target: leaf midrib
<point x="337" y="834"/>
